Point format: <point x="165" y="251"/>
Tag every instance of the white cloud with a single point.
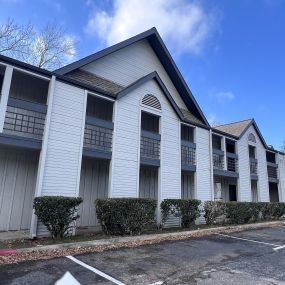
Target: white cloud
<point x="185" y="25"/>
<point x="223" y="96"/>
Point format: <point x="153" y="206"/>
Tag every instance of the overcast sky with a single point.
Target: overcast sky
<point x="231" y="53"/>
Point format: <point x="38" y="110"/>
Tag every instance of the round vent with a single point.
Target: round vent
<point x="251" y="138"/>
<point x="151" y="101"/>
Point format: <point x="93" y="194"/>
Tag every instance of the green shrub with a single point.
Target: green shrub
<point x="57" y="213"/>
<point x="271" y="211"/>
<point x="238" y="212"/>
<point x="213" y="210"/>
<point x="125" y="215"/>
<point x="187" y="210"/>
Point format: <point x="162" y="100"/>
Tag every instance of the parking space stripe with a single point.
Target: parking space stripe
<point x="250" y="240"/>
<point x="279" y="247"/>
<point x="102" y="274"/>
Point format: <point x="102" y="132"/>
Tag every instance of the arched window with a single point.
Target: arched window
<point x="151" y="101"/>
<point x="251" y="138"/>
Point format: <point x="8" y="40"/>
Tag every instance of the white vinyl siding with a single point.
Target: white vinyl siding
<point x="131" y="63"/>
<point x="127" y="143"/>
<point x="244" y="168"/>
<point x="203" y="171"/>
<point x="64" y="147"/>
<point x="281" y="166"/>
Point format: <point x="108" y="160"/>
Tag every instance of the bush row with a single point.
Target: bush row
<point x="242" y="212"/>
<point x="121" y="216"/>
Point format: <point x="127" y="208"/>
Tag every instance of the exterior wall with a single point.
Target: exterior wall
<point x="93" y="184"/>
<point x="18" y="170"/>
<point x="187" y="185"/>
<point x="64" y="143"/>
<point x="281" y="166"/>
<point x="131" y="63"/>
<point x="148" y="182"/>
<point x="126" y="146"/>
<point x="244" y="168"/>
<point x="203" y="172"/>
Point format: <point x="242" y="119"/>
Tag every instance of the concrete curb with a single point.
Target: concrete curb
<point x="150" y="237"/>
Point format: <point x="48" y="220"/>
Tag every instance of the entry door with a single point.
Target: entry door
<point x="232" y="192"/>
<point x="93" y="184"/>
<point x="18" y="173"/>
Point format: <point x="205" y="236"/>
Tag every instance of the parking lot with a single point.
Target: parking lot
<point x="249" y="257"/>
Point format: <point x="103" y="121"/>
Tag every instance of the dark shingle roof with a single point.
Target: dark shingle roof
<point x="234" y="129"/>
<point x="95" y="81"/>
<point x="190" y="118"/>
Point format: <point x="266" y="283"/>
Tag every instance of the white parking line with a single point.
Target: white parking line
<point x="279" y="247"/>
<point x="95" y="270"/>
<point x="251" y="240"/>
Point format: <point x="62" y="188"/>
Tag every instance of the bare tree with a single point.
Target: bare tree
<point x="50" y="48"/>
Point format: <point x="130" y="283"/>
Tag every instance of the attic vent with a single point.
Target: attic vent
<point x="151" y="101"/>
<point x="251" y="138"/>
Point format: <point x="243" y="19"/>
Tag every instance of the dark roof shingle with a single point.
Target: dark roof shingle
<point x="234" y="129"/>
<point x="95" y="81"/>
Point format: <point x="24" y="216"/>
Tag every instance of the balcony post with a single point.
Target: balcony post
<point x="5" y="94"/>
<point x="225" y="153"/>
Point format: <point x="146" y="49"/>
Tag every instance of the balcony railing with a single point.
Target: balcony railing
<point x="25" y="119"/>
<point x="218" y="159"/>
<point x="232" y="162"/>
<point x="188" y="155"/>
<point x="272" y="170"/>
<point x="98" y="134"/>
<point x="150" y="145"/>
<point x="253" y="166"/>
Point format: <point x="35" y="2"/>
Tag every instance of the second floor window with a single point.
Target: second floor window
<point x="150" y="122"/>
<point x="217" y="142"/>
<point x="252" y="151"/>
<point x="99" y="108"/>
<point x="187" y="133"/>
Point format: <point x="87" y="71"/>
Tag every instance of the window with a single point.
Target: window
<point x="187" y="133"/>
<point x="230" y="146"/>
<point x="251" y="150"/>
<point x="251" y="138"/>
<point x="151" y="101"/>
<point x="28" y="87"/>
<point x="217" y="142"/>
<point x="99" y="108"/>
<point x="150" y="122"/>
<point x="270" y="157"/>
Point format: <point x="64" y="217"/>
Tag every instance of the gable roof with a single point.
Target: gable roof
<point x="91" y="79"/>
<point x="165" y="58"/>
<point x="184" y="115"/>
<point x="238" y="129"/>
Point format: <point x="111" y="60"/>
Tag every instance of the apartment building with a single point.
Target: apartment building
<point x="121" y="123"/>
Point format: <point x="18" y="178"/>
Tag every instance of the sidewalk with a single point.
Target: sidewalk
<point x="63" y="249"/>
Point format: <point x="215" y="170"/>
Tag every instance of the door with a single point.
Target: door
<point x="232" y="192"/>
<point x="18" y="174"/>
<point x="187" y="185"/>
<point x="148" y="182"/>
<point x="94" y="182"/>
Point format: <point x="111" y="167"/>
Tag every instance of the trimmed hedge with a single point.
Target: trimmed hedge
<point x="187" y="210"/>
<point x="120" y="216"/>
<point x="242" y="212"/>
<point x="57" y="213"/>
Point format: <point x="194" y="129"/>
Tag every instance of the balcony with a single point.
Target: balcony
<point x="188" y="156"/>
<point x="232" y="162"/>
<point x="272" y="170"/>
<point x="24" y="123"/>
<point x="218" y="159"/>
<point x="150" y="148"/>
<point x="98" y="136"/>
<point x="253" y="163"/>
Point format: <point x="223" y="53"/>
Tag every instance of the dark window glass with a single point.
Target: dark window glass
<point x="150" y="122"/>
<point x="2" y="72"/>
<point x="251" y="150"/>
<point x="99" y="108"/>
<point x="230" y="146"/>
<point x="27" y="87"/>
<point x="187" y="133"/>
<point x="270" y="156"/>
<point x="217" y="142"/>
